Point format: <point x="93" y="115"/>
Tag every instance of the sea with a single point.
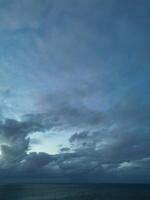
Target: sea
<point x="74" y="192"/>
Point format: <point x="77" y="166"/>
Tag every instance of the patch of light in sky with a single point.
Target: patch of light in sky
<point x="48" y="142"/>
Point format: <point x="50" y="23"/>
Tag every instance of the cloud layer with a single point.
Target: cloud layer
<point x="79" y="70"/>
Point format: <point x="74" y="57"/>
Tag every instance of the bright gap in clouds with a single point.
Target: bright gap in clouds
<point x="48" y="142"/>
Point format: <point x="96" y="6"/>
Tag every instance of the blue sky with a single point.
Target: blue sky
<point x="75" y="69"/>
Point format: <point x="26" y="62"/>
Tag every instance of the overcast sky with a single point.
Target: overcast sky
<point x="75" y="90"/>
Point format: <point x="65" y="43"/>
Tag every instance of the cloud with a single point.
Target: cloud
<point x="14" y="136"/>
<point x="33" y="160"/>
<point x="92" y="156"/>
<point x="107" y="146"/>
<point x="70" y="110"/>
<point x="64" y="149"/>
<point x="31" y="14"/>
<point x="80" y="67"/>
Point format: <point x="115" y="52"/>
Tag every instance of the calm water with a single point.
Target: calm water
<point x="74" y="192"/>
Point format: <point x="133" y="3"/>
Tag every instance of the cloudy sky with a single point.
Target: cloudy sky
<point x="75" y="90"/>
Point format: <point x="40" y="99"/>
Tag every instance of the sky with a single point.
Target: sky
<point x="75" y="91"/>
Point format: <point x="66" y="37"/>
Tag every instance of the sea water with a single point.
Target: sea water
<point x="74" y="192"/>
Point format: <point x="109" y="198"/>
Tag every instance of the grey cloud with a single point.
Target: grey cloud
<point x="15" y="139"/>
<point x="34" y="162"/>
<point x="69" y="110"/>
<point x="121" y="137"/>
<point x="113" y="146"/>
<point x="64" y="149"/>
<point x="82" y="136"/>
<point x="31" y="14"/>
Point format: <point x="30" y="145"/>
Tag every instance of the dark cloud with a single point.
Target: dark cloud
<point x="69" y="110"/>
<point x="114" y="148"/>
<point x="35" y="162"/>
<point x="64" y="149"/>
<point x="14" y="136"/>
<point x="96" y="156"/>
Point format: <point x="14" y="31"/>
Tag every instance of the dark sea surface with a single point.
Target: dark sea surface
<point x="74" y="192"/>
